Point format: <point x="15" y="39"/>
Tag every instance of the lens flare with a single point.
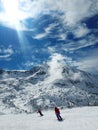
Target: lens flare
<point x="13" y="13"/>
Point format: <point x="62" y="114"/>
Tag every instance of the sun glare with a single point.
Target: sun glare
<point x="12" y="11"/>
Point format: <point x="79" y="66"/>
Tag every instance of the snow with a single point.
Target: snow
<point x="84" y="118"/>
<point x="45" y="86"/>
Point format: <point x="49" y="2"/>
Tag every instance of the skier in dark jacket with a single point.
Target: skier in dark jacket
<point x="39" y="111"/>
<point x="57" y="112"/>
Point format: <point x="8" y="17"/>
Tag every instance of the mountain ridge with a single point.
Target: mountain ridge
<point x="45" y="87"/>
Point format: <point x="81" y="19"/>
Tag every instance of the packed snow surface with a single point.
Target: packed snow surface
<point x="84" y="118"/>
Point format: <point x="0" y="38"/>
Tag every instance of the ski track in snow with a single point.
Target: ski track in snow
<point x="85" y="118"/>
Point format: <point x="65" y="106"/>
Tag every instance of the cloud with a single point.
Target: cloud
<point x="76" y="76"/>
<point x="76" y="10"/>
<point x="89" y="65"/>
<point x="75" y="45"/>
<point x="4" y="56"/>
<point x="51" y="49"/>
<point x="47" y="31"/>
<point x="28" y="64"/>
<point x="40" y="36"/>
<point x="88" y="62"/>
<point x="62" y="36"/>
<point x="49" y="28"/>
<point x="81" y="31"/>
<point x="5" y="53"/>
<point x="55" y="64"/>
<point x="73" y="11"/>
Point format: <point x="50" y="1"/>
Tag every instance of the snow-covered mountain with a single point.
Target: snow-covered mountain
<point x="45" y="87"/>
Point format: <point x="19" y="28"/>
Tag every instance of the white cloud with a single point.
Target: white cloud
<point x="76" y="10"/>
<point x="40" y="36"/>
<point x="88" y="64"/>
<point x="73" y="10"/>
<point x="51" y="49"/>
<point x="50" y="27"/>
<point x="73" y="46"/>
<point x="76" y="76"/>
<point x="62" y="36"/>
<point x="47" y="31"/>
<point x="28" y="64"/>
<point x="4" y="56"/>
<point x="81" y="31"/>
<point x="6" y="52"/>
<point x="55" y="64"/>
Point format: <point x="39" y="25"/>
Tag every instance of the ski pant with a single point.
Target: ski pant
<point x="59" y="117"/>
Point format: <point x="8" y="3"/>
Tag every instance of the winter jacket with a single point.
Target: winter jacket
<point x="57" y="111"/>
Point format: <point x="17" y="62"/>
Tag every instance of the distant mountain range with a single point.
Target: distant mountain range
<point x="26" y="91"/>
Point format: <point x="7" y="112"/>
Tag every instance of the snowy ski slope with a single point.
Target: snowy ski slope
<point x="84" y="118"/>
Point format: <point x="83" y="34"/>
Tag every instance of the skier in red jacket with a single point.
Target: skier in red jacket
<point x="57" y="112"/>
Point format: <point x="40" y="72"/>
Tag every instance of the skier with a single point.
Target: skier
<point x="39" y="111"/>
<point x="57" y="112"/>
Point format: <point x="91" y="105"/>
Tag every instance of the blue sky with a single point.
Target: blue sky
<point x="33" y="32"/>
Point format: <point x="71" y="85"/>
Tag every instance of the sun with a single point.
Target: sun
<point x="13" y="13"/>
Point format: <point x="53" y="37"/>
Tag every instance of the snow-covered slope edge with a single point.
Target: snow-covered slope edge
<point x="25" y="91"/>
